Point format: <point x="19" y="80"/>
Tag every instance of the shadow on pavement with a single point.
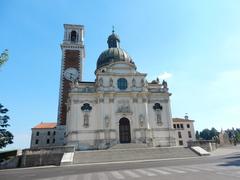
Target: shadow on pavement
<point x="234" y="156"/>
<point x="233" y="161"/>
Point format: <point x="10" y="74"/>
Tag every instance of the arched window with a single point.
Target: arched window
<point x="157" y="106"/>
<point x="73" y="36"/>
<point x="85" y="120"/>
<point x="122" y="83"/>
<point x="86" y="107"/>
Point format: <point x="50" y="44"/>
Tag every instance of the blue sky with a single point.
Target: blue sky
<point x="195" y="45"/>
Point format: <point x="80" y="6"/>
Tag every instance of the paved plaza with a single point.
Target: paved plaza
<point x="172" y="172"/>
<point x="223" y="164"/>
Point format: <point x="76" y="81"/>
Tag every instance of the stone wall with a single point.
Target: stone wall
<point x="10" y="159"/>
<point x="14" y="162"/>
<point x="5" y="155"/>
<point x="42" y="157"/>
<point x="207" y="145"/>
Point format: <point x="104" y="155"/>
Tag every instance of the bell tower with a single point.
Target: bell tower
<point x="73" y="53"/>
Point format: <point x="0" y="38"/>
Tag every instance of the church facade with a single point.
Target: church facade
<point x="120" y="106"/>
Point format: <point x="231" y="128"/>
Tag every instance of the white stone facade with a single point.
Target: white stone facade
<point x="109" y="104"/>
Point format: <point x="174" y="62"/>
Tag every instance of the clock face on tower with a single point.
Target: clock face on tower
<point x="71" y="74"/>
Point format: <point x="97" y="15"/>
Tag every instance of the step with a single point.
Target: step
<point x="129" y="146"/>
<point x="113" y="155"/>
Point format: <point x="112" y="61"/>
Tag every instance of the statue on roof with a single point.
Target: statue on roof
<point x="165" y="85"/>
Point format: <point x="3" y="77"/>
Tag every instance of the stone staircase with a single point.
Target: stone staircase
<point x="129" y="146"/>
<point x="129" y="152"/>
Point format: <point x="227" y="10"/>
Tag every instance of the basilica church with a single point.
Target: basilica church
<point x="119" y="106"/>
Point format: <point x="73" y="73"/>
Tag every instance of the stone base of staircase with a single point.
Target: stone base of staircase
<point x="131" y="152"/>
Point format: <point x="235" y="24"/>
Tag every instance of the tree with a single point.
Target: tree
<point x="207" y="134"/>
<point x="233" y="135"/>
<point x="214" y="134"/>
<point x="197" y="135"/>
<point x="3" y="57"/>
<point x="237" y="136"/>
<point x="6" y="137"/>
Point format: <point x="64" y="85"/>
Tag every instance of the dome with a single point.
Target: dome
<point x="114" y="53"/>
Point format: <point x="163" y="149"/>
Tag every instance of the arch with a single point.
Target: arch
<point x="73" y="36"/>
<point x="124" y="130"/>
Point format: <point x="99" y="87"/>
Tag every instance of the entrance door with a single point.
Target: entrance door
<point x="124" y="131"/>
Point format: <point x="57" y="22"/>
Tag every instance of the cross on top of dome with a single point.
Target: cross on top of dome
<point x="113" y="29"/>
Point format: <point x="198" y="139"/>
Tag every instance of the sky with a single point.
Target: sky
<point x="194" y="45"/>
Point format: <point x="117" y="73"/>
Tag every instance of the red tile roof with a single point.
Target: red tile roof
<point x="43" y="125"/>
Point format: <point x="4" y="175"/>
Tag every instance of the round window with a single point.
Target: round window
<point x="122" y="83"/>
